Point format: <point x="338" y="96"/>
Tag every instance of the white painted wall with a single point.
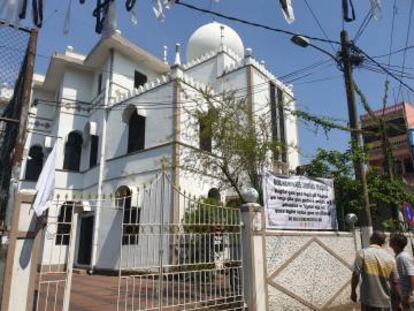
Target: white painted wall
<point x="77" y="85"/>
<point x="158" y="121"/>
<point x="205" y="72"/>
<point x="124" y="70"/>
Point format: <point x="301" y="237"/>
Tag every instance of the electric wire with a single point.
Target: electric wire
<point x="155" y="104"/>
<point x="282" y="78"/>
<point x="320" y="80"/>
<point x="363" y="26"/>
<point x="236" y="19"/>
<point x="385" y="70"/>
<point x="268" y="28"/>
<point x="315" y="17"/>
<point x="394" y="52"/>
<point x="393" y="69"/>
<point x="406" y="42"/>
<point x="166" y="102"/>
<point x="253" y="24"/>
<point x="394" y="13"/>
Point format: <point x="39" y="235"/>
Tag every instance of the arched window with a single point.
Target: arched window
<point x="123" y="197"/>
<point x="64" y="223"/>
<point x="136" y="132"/>
<point x="132" y="215"/>
<point x="34" y="163"/>
<point x="214" y="194"/>
<point x="73" y="151"/>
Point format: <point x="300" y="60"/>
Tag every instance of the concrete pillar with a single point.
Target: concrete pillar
<point x="254" y="269"/>
<point x="22" y="257"/>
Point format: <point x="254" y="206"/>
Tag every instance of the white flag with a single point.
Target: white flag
<point x="376" y="9"/>
<point x="134" y="16"/>
<point x="287" y="10"/>
<point x="45" y="184"/>
<point x="158" y="9"/>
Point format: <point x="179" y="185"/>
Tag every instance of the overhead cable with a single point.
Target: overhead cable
<point x="406" y="43"/>
<point x="315" y="17"/>
<point x="250" y="23"/>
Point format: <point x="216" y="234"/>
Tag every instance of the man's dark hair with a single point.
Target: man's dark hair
<point x="378" y="237"/>
<point x="399" y="240"/>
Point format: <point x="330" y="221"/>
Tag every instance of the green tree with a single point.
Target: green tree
<point x="386" y="195"/>
<point x="236" y="144"/>
<point x="338" y="166"/>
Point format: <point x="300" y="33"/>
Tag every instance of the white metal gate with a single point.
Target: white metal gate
<point x="181" y="256"/>
<point x="53" y="287"/>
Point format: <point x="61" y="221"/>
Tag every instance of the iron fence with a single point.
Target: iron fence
<point x="189" y="262"/>
<point x="17" y="53"/>
<point x="169" y="256"/>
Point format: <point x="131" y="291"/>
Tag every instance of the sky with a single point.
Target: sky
<point x="320" y="93"/>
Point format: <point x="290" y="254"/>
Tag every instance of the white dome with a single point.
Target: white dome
<point x="208" y="38"/>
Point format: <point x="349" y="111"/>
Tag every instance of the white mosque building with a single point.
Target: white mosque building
<point x="104" y="112"/>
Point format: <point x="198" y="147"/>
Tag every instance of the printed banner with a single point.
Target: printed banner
<point x="299" y="202"/>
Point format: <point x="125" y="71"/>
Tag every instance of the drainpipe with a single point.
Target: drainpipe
<point x="108" y="94"/>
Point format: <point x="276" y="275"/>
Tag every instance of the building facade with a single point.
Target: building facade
<point x="119" y="112"/>
<point x="399" y="119"/>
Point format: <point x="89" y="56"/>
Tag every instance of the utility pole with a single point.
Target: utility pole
<point x="346" y="60"/>
<point x="25" y="105"/>
<point x="365" y="214"/>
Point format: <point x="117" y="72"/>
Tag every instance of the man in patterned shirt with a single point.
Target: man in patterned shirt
<point x="377" y="270"/>
<point x="405" y="267"/>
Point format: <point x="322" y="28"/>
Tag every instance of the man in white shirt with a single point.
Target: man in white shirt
<point x="405" y="267"/>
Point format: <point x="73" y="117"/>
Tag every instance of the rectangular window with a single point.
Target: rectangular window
<point x="273" y="112"/>
<point x="136" y="133"/>
<point x="139" y="79"/>
<point x="99" y="83"/>
<point x="63" y="224"/>
<point x="130" y="234"/>
<point x="281" y="109"/>
<point x="93" y="156"/>
<point x="277" y="114"/>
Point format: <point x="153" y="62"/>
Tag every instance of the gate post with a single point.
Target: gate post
<point x="253" y="253"/>
<point x="23" y="255"/>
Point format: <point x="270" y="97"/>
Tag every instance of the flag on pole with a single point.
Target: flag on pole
<point x="45" y="184"/>
<point x="287" y="10"/>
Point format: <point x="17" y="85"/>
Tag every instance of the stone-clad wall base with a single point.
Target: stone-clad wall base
<point x="279" y="301"/>
<point x="309" y="270"/>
